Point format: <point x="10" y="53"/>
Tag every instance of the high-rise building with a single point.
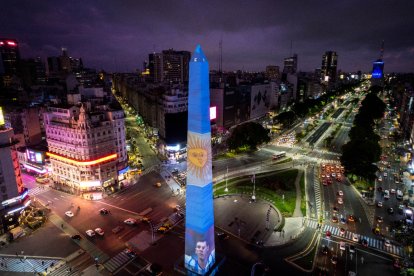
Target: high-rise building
<point x="169" y="66"/>
<point x="377" y="77"/>
<point x="87" y="147"/>
<point x="290" y="64"/>
<point x="329" y="67"/>
<point x="26" y="125"/>
<point x="199" y="258"/>
<point x="9" y="59"/>
<point x="272" y="72"/>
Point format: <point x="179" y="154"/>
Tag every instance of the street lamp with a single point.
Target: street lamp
<point x="254" y="187"/>
<point x="227" y="189"/>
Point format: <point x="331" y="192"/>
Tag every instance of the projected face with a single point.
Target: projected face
<point x="200" y="253"/>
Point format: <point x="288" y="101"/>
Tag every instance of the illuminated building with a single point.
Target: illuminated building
<point x="199" y="224"/>
<point x="13" y="195"/>
<point x="329" y="67"/>
<point x="87" y="147"/>
<point x="9" y="58"/>
<point x="169" y="66"/>
<point x="272" y="72"/>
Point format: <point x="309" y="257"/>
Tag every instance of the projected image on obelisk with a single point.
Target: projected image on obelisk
<point x="199" y="233"/>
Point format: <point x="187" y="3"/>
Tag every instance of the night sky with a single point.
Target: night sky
<point x="118" y="35"/>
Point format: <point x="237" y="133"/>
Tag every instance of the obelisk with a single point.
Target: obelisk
<point x="199" y="232"/>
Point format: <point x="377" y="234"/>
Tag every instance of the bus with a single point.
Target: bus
<point x="279" y="155"/>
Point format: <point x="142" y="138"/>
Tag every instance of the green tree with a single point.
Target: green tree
<point x="285" y="118"/>
<point x="248" y="134"/>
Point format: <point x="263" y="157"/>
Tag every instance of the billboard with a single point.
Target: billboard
<point x="260" y="100"/>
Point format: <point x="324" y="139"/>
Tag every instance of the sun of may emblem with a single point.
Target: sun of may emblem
<point x="198" y="156"/>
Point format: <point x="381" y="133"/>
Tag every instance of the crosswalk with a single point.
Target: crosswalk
<point x="117" y="261"/>
<point x="348" y="235"/>
<point x="317" y="189"/>
<point x="38" y="190"/>
<point x="30" y="265"/>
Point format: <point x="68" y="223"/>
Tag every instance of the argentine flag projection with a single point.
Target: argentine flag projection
<point x="199" y="225"/>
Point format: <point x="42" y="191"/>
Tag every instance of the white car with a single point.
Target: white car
<point x="385" y="174"/>
<point x="340" y="193"/>
<point x="340" y="200"/>
<point x="386" y="194"/>
<point x="90" y="233"/>
<point x="379" y="203"/>
<point x="387" y="243"/>
<point x="130" y="221"/>
<point x="69" y="214"/>
<point x="392" y="191"/>
<point x="99" y="231"/>
<point x="355" y="237"/>
<point x="342" y="245"/>
<point x="380" y="178"/>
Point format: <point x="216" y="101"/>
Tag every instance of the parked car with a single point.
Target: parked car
<point x="90" y="233"/>
<point x="99" y="231"/>
<point x="76" y="237"/>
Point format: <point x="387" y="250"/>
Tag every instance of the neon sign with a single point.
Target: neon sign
<point x="82" y="163"/>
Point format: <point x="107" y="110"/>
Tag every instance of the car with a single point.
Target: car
<point x="90" y="233"/>
<point x="322" y="175"/>
<point x="104" y="211"/>
<point x="69" y="214"/>
<point x="76" y="237"/>
<point x="130" y="221"/>
<point x="162" y="229"/>
<point x="99" y="231"/>
<point x="401" y="209"/>
<point x="380" y="219"/>
<point x="379" y="189"/>
<point x="342" y="245"/>
<point x="351" y="248"/>
<point x="392" y="191"/>
<point x="364" y="242"/>
<point x="335" y="209"/>
<point x="379" y="178"/>
<point x="387" y="243"/>
<point x="324" y="182"/>
<point x="117" y="229"/>
<point x="145" y="219"/>
<point x="130" y="253"/>
<point x="342" y="231"/>
<point x="340" y="200"/>
<point x="390" y="211"/>
<point x="379" y="204"/>
<point x="333" y="174"/>
<point x="325" y="249"/>
<point x="355" y="237"/>
<point x="377" y="231"/>
<point x="334" y="219"/>
<point x="340" y="193"/>
<point x="343" y="220"/>
<point x="351" y="218"/>
<point x="386" y="194"/>
<point x="334" y="259"/>
<point x="385" y="174"/>
<point x="328" y="234"/>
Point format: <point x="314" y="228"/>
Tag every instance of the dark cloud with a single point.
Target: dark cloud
<point x="118" y="35"/>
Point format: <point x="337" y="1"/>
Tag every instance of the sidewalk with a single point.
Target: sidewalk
<point x="291" y="230"/>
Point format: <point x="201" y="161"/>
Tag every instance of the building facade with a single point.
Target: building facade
<point x="329" y="67"/>
<point x="87" y="148"/>
<point x="169" y="66"/>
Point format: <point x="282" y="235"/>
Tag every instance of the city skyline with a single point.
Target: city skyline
<point x="118" y="37"/>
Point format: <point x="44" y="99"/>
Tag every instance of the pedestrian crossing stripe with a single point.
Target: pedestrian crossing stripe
<point x="373" y="243"/>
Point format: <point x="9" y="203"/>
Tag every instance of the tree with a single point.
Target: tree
<point x="248" y="134"/>
<point x="373" y="106"/>
<point x="285" y="118"/>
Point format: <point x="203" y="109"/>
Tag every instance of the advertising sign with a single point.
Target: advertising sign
<point x="199" y="251"/>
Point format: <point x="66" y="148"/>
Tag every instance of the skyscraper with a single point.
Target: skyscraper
<point x="329" y="67"/>
<point x="169" y="66"/>
<point x="290" y="64"/>
<point x="199" y="232"/>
